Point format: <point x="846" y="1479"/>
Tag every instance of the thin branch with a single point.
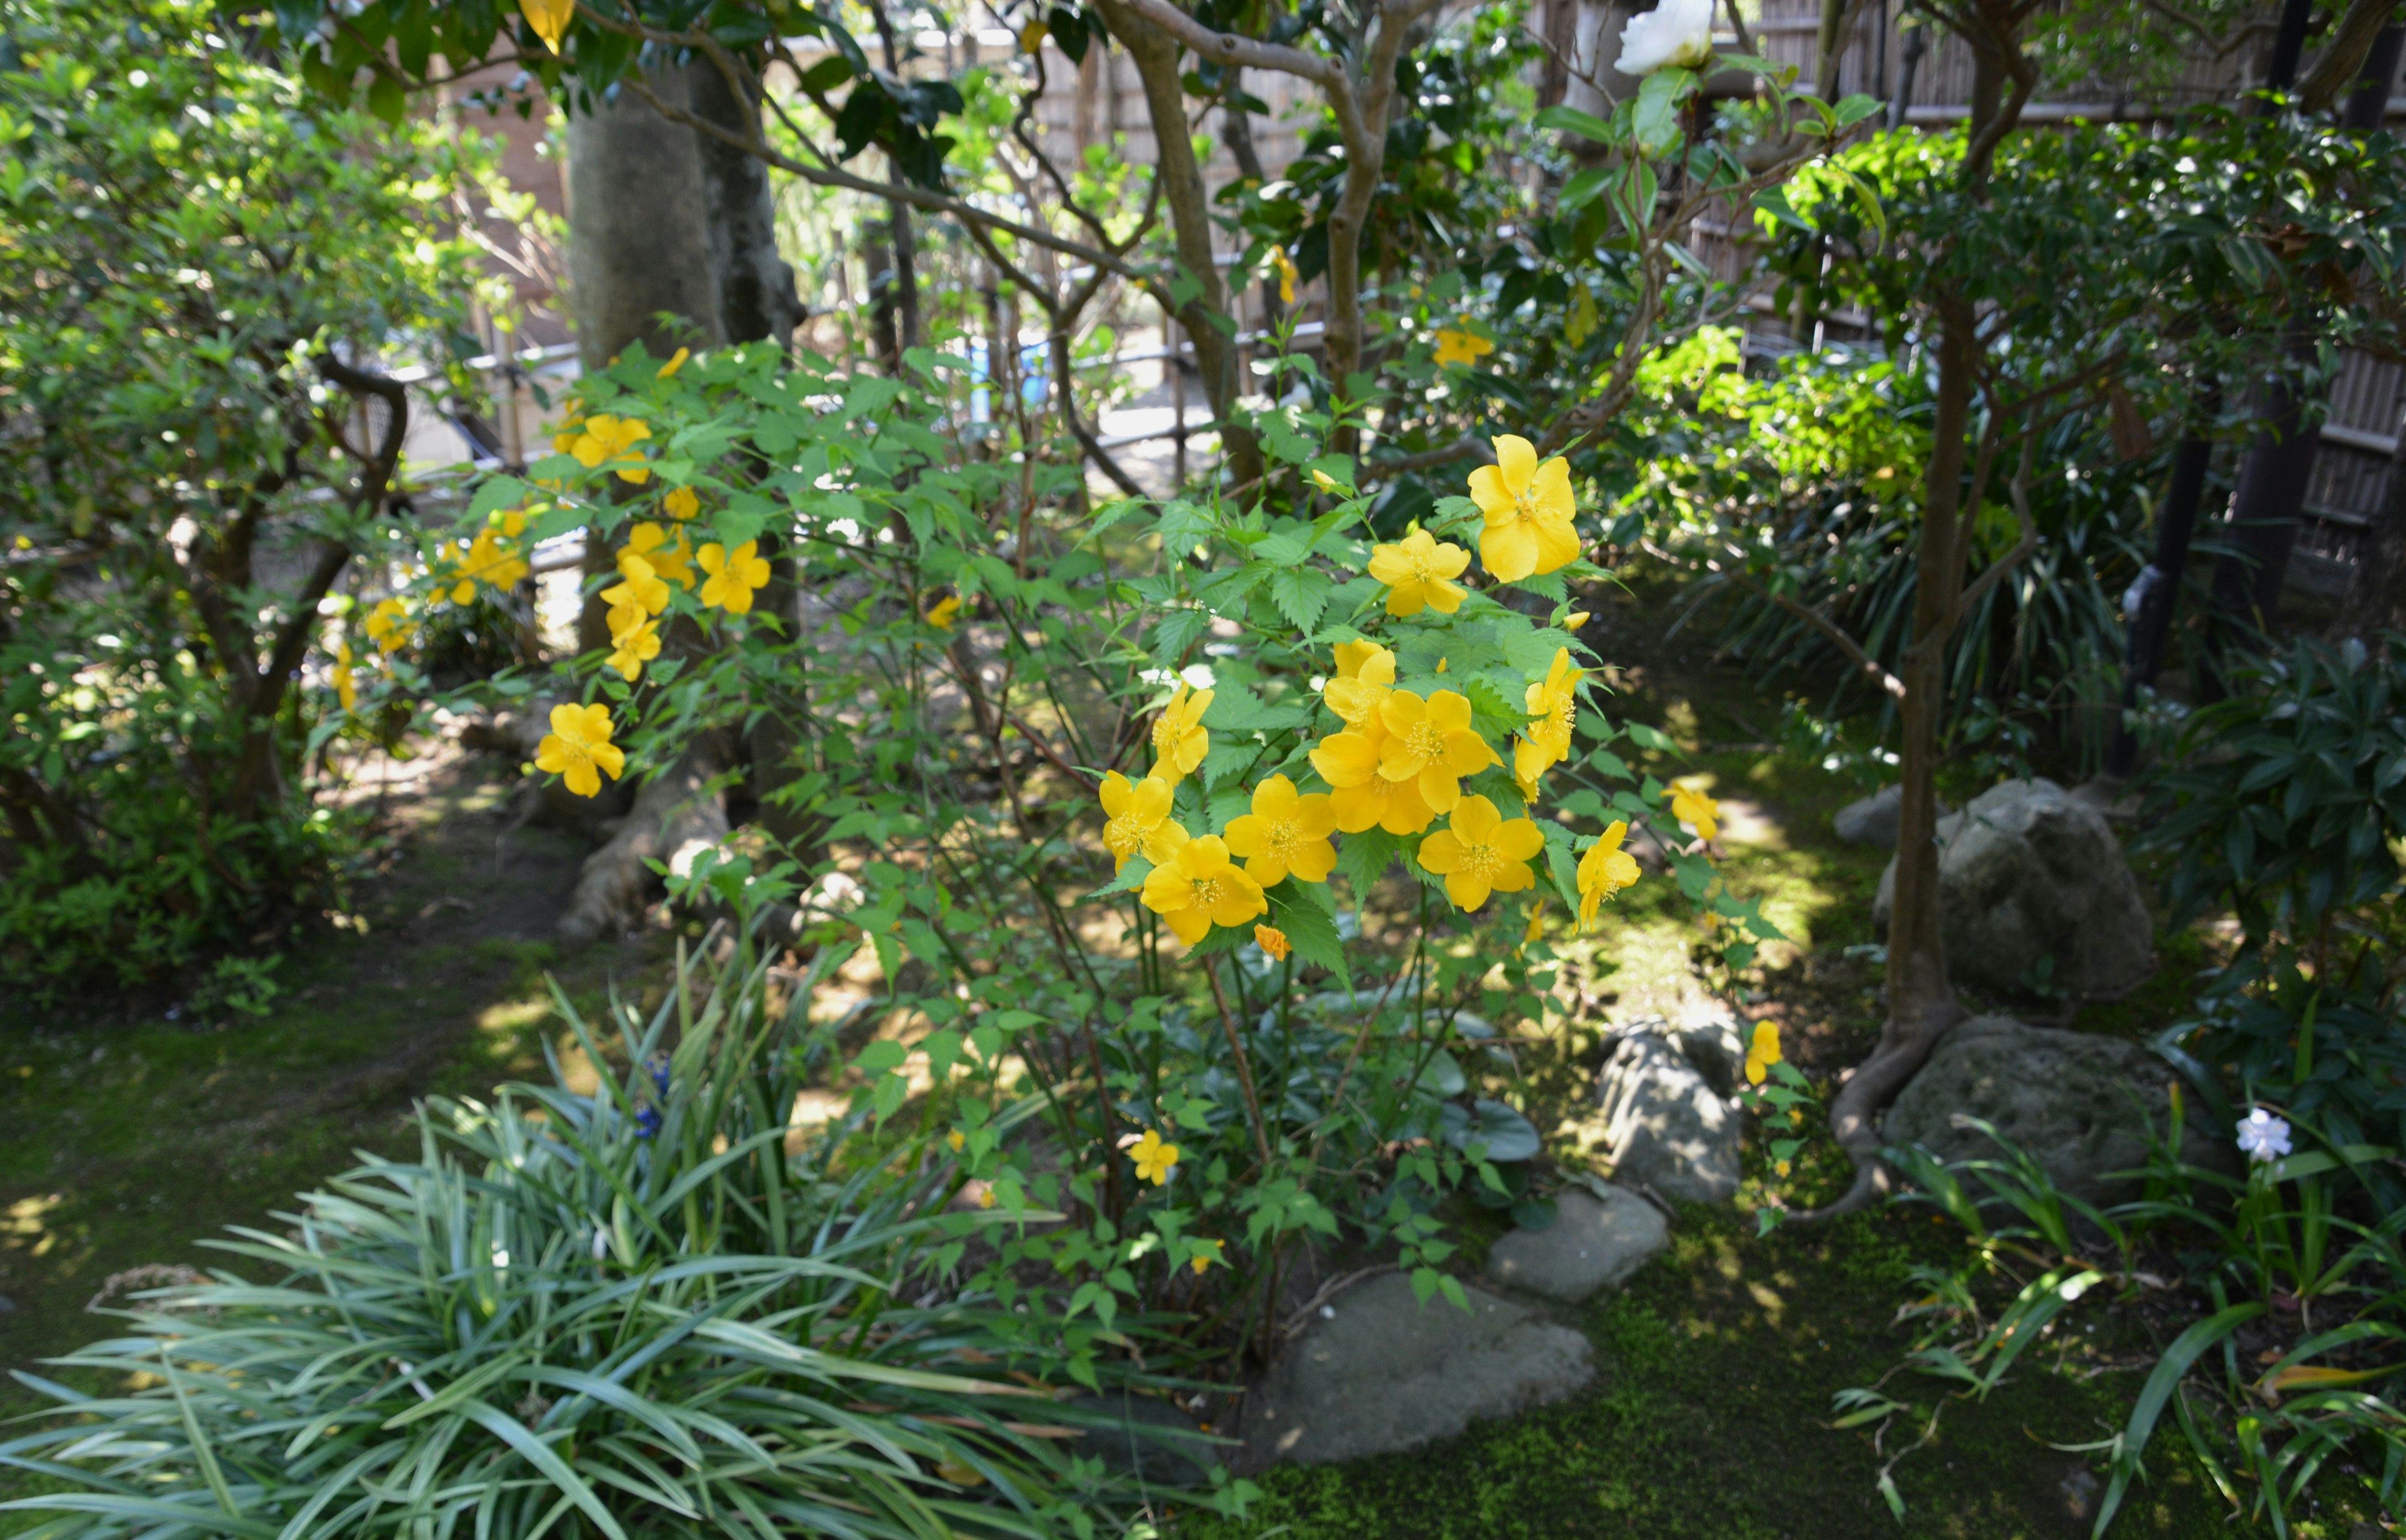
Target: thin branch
<point x="1465" y="448"/>
<point x="2018" y="490"/>
<point x="1227" y="48"/>
<point x="1830" y="629"/>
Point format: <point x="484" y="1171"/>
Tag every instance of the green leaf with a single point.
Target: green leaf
<point x="1310" y="929"/>
<point x="1571" y="120"/>
<point x="1300" y="593"/>
<point x="1656" y="124"/>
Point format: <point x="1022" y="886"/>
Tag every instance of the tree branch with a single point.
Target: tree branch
<point x="1830" y="629"/>
<point x="1227" y="48"/>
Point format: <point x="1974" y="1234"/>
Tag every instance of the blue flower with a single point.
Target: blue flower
<point x="659" y="1072"/>
<point x="647" y="1122"/>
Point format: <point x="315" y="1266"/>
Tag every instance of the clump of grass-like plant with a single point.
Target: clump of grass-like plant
<point x="645" y="1311"/>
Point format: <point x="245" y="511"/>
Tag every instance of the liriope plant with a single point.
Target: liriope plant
<point x="646" y="1311"/>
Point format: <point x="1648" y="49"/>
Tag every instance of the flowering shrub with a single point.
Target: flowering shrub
<point x="1113" y="797"/>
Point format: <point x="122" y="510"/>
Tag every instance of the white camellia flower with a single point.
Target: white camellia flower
<point x="1677" y="32"/>
<point x="2263" y="1136"/>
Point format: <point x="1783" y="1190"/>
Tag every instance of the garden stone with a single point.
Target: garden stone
<point x="1176" y="1457"/>
<point x="2077" y="1103"/>
<point x="1379" y="1371"/>
<point x="1871" y="820"/>
<point x="1664" y="1127"/>
<point x="1597" y="1239"/>
<point x="2029" y="875"/>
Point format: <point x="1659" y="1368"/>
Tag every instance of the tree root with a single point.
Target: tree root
<point x="1854" y="1112"/>
<point x="682" y="804"/>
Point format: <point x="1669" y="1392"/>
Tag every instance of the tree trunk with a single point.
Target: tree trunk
<point x="676" y="808"/>
<point x="755" y="286"/>
<point x="1155" y="54"/>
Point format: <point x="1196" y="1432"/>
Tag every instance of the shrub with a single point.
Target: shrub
<point x="193" y="254"/>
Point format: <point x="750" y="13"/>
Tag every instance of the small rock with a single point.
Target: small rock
<point x="1870" y="820"/>
<point x="2028" y="876"/>
<point x="8" y="1306"/>
<point x="1389" y="1373"/>
<point x="1153" y="1440"/>
<point x="2077" y="1103"/>
<point x="1597" y="1239"/>
<point x="1664" y="1126"/>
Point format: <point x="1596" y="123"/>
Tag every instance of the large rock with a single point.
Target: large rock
<point x="1597" y="1239"/>
<point x="1664" y="1127"/>
<point x="1870" y="820"/>
<point x="2080" y="1103"/>
<point x="1381" y="1372"/>
<point x="2029" y="875"/>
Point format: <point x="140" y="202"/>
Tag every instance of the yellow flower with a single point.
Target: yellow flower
<point x="941" y="614"/>
<point x="1478" y="853"/>
<point x="488" y="561"/>
<point x="676" y="362"/>
<point x="1364" y="798"/>
<point x="1454" y="346"/>
<point x="734" y="575"/>
<point x="1137" y="819"/>
<point x="956" y="1140"/>
<point x="1529" y="509"/>
<point x="347" y="684"/>
<point x="1536" y="921"/>
<point x="634" y="648"/>
<point x="549" y="19"/>
<point x="1271" y="940"/>
<point x="1365" y="671"/>
<point x="669" y="559"/>
<point x="1574" y="620"/>
<point x="607" y="440"/>
<point x="1179" y="740"/>
<point x="1547" y="742"/>
<point x="1605" y="870"/>
<point x="1691" y="806"/>
<point x="1288" y="276"/>
<point x="578" y="745"/>
<point x="1432" y="741"/>
<point x="639" y="596"/>
<point x="1154" y="1158"/>
<point x="388" y="626"/>
<point x="1199" y="887"/>
<point x="1417" y="572"/>
<point x="1206" y="1253"/>
<point x="1781" y="1166"/>
<point x="681" y="503"/>
<point x="1761" y="1053"/>
<point x="1286" y="833"/>
<point x="985" y="1195"/>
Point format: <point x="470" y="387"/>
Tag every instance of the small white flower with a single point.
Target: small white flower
<point x="2263" y="1136"/>
<point x="1200" y="675"/>
<point x="1677" y="32"/>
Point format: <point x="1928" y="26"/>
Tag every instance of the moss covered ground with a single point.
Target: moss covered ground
<point x="130" y="1137"/>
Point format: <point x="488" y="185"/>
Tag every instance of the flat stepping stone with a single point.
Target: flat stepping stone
<point x="1593" y="1244"/>
<point x="1380" y="1372"/>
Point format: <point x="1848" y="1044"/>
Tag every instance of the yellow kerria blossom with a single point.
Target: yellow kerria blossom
<point x="1605" y="870"/>
<point x="1418" y="572"/>
<point x="676" y="362"/>
<point x="941" y="612"/>
<point x="734" y="575"/>
<point x="1536" y="921"/>
<point x="1154" y="1158"/>
<point x="388" y="626"/>
<point x="681" y="503"/>
<point x="1206" y="1253"/>
<point x="607" y="440"/>
<point x="1529" y="508"/>
<point x="1478" y="853"/>
<point x="633" y="648"/>
<point x="487" y="560"/>
<point x="1455" y="345"/>
<point x="666" y="554"/>
<point x="635" y="599"/>
<point x="1691" y="806"/>
<point x="578" y="748"/>
<point x="1432" y="743"/>
<point x="1574" y="620"/>
<point x="957" y="1141"/>
<point x="347" y="684"/>
<point x="1273" y="942"/>
<point x="1364" y="798"/>
<point x="1286" y="833"/>
<point x="1199" y="887"/>
<point x="1547" y="742"/>
<point x="1761" y="1052"/>
<point x="1365" y="672"/>
<point x="1179" y="740"/>
<point x="549" y="19"/>
<point x="1287" y="275"/>
<point x="1137" y="818"/>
